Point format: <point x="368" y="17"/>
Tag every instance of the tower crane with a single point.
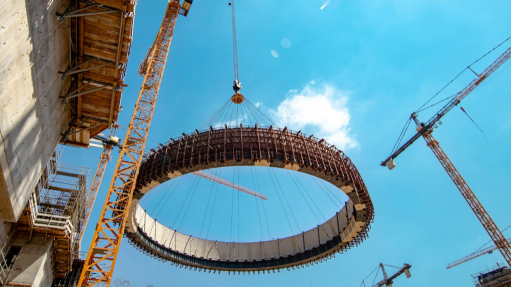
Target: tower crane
<point x="487" y="250"/>
<point x="388" y="280"/>
<point x="426" y="129"/>
<point x="108" y="145"/>
<point x="101" y="257"/>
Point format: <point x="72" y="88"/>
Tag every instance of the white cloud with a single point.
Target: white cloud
<point x="258" y="104"/>
<point x="320" y="110"/>
<point x="324" y="5"/>
<point x="313" y="82"/>
<point x="274" y="53"/>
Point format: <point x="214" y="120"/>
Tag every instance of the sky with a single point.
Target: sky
<point x="351" y="72"/>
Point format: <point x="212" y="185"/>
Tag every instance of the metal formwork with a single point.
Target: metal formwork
<point x="252" y="146"/>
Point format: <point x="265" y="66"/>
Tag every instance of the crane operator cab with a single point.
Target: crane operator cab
<point x="185" y="7"/>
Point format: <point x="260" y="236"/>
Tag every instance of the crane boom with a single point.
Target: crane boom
<point x="229" y="184"/>
<point x="452" y="103"/>
<point x="101" y="257"/>
<point x="476" y="254"/>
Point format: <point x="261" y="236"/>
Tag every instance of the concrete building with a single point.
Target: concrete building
<point x="62" y="67"/>
<point x="61" y="80"/>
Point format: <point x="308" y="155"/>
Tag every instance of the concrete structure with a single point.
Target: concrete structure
<point x="62" y="66"/>
<point x="33" y="48"/>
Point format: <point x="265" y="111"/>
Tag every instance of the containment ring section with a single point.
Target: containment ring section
<point x="250" y="146"/>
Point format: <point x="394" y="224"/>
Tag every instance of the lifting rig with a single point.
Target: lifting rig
<point x="426" y="129"/>
<point x="99" y="264"/>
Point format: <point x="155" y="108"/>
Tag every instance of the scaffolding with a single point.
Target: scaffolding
<point x="498" y="275"/>
<point x="56" y="208"/>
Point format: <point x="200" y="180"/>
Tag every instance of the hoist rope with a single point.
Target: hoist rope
<point x="234" y="44"/>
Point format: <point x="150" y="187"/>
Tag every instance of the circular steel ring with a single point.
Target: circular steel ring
<point x="251" y="146"/>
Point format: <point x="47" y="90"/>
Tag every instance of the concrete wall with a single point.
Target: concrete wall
<point x="5" y="234"/>
<point x="33" y="48"/>
<point x="33" y="265"/>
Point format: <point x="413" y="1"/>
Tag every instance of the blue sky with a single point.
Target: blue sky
<point x="370" y="64"/>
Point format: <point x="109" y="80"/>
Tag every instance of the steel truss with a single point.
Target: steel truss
<point x="100" y="261"/>
<point x="474" y="203"/>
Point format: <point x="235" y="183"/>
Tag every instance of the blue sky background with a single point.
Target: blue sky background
<point x="372" y="64"/>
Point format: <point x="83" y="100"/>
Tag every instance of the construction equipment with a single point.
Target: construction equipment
<point x="229" y="184"/>
<point x="426" y="129"/>
<point x="101" y="257"/>
<point x="487" y="250"/>
<point x="388" y="281"/>
<point x="108" y="144"/>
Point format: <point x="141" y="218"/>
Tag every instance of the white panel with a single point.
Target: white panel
<point x="241" y="252"/>
<point x="311" y="238"/>
<point x="270" y="249"/>
<point x="226" y="251"/>
<point x="223" y="250"/>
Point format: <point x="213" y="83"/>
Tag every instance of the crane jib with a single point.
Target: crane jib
<point x="452" y="103"/>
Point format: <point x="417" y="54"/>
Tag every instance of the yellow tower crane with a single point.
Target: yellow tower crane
<point x="426" y="129"/>
<point x="99" y="264"/>
<point x="108" y="145"/>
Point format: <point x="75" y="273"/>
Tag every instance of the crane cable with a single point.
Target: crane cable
<point x="237" y="85"/>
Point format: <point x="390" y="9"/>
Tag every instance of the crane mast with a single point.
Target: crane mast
<point x="474" y="203"/>
<point x="425" y="130"/>
<point x="101" y="257"/>
<point x="96" y="183"/>
<point x="108" y="144"/>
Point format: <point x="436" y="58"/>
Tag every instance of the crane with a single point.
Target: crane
<point x="229" y="184"/>
<point x="108" y="143"/>
<point x="487" y="250"/>
<point x="426" y="129"/>
<point x="388" y="281"/>
<point x="101" y="257"/>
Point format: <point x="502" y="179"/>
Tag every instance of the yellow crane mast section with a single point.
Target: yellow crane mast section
<point x="100" y="261"/>
<point x="94" y="188"/>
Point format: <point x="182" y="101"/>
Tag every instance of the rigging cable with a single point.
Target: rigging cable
<point x="283" y="208"/>
<point x="285" y="198"/>
<point x="257" y="205"/>
<point x="186" y="211"/>
<point x="213" y="208"/>
<point x="264" y="210"/>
